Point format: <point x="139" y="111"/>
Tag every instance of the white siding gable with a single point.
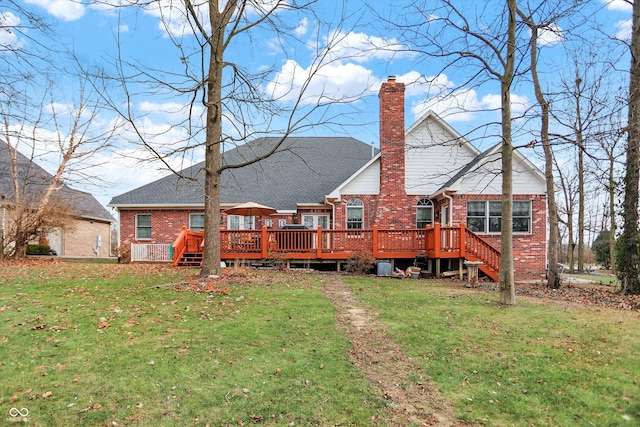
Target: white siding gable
<point x="366" y="182"/>
<point x="485" y="177"/>
<point x="434" y="153"/>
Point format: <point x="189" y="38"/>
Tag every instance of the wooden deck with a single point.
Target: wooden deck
<point x="455" y="242"/>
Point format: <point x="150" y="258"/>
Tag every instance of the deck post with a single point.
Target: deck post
<point x="319" y="243"/>
<point x="264" y="243"/>
<point x="438" y="268"/>
<point x="437" y="240"/>
<point x="375" y="241"/>
<point x="462" y="241"/>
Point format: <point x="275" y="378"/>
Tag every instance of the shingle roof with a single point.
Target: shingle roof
<point x="36" y="180"/>
<point x="303" y="170"/>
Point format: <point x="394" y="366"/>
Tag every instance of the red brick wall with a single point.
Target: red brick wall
<point x="397" y="212"/>
<point x="165" y="224"/>
<point x="530" y="249"/>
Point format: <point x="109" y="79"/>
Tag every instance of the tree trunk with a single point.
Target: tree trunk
<point x="213" y="155"/>
<point x="628" y="245"/>
<point x="553" y="275"/>
<point x="581" y="207"/>
<point x="507" y="284"/>
<point x="612" y="214"/>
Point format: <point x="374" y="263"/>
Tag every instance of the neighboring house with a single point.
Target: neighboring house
<point x="87" y="229"/>
<point x="426" y="176"/>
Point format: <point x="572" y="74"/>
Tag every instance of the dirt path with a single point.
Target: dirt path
<point x="381" y="360"/>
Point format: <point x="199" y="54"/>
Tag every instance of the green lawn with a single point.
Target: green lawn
<point x="530" y="365"/>
<point x="105" y="344"/>
<point x="100" y="345"/>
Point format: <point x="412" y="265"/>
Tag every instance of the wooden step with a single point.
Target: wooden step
<point x="191" y="259"/>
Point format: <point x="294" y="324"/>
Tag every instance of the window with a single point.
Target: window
<point x="315" y="221"/>
<point x="143" y="226"/>
<point x="486" y="217"/>
<point x="196" y="222"/>
<point x="522" y="217"/>
<point x="424" y="213"/>
<point x="355" y="214"/>
<point x="237" y="222"/>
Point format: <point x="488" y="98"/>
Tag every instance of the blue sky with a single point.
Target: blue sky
<point x="98" y="34"/>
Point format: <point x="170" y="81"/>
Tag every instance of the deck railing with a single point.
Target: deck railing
<point x="155" y="252"/>
<point x="436" y="242"/>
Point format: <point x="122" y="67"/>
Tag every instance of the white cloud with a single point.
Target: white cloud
<point x="361" y="47"/>
<point x="519" y="103"/>
<point x="619" y="5"/>
<point x="8" y="38"/>
<point x="335" y="82"/>
<point x="303" y="27"/>
<point x="623" y="30"/>
<point x="173" y="17"/>
<point x="550" y="35"/>
<point x="61" y="9"/>
<point x="464" y="104"/>
<point x="457" y="106"/>
<point x="419" y="85"/>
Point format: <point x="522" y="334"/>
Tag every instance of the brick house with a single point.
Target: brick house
<point x="424" y="177"/>
<point x="87" y="222"/>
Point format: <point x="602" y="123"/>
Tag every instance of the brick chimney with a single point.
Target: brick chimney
<point x="392" y="199"/>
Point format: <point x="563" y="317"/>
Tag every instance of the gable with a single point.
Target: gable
<point x="434" y="153"/>
<point x="34" y="180"/>
<point x="484" y="176"/>
<point x="364" y="181"/>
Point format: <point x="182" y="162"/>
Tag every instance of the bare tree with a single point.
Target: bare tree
<point x="233" y="104"/>
<point x="553" y="274"/>
<point x="628" y="244"/>
<point x="481" y="42"/>
<point x="34" y="200"/>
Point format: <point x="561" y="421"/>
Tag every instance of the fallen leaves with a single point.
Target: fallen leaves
<point x="93" y="407"/>
<point x="103" y="324"/>
<point x="594" y="296"/>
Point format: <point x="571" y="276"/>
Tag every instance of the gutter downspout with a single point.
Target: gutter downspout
<point x="446" y="196"/>
<point x="333" y="213"/>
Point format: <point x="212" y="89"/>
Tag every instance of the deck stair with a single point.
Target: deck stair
<point x="190" y="259"/>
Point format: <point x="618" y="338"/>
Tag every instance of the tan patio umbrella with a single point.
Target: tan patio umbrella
<point x="250" y="209"/>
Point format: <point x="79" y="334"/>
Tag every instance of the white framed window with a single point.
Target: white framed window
<point x="143" y="227"/>
<point x="355" y="214"/>
<point x="424" y="213"/>
<point x="315" y="221"/>
<point x="486" y="216"/>
<point x="196" y="221"/>
<point x="237" y="222"/>
<point x="268" y="223"/>
<point x="282" y="223"/>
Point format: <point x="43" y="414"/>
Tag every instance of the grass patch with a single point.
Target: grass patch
<point x="110" y="345"/>
<point x="599" y="279"/>
<point x="533" y="364"/>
